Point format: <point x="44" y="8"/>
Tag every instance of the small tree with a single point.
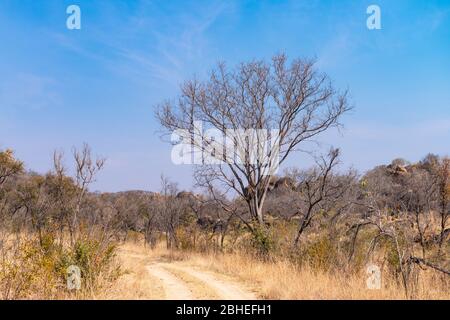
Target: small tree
<point x="171" y="209"/>
<point x="321" y="190"/>
<point x="441" y="173"/>
<point x="9" y="166"/>
<point x="86" y="169"/>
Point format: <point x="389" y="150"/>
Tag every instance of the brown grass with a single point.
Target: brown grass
<point x="283" y="280"/>
<point x="136" y="283"/>
<point x="271" y="280"/>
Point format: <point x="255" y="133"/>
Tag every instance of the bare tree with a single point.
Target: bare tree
<point x="417" y="198"/>
<point x="64" y="191"/>
<point x="396" y="230"/>
<point x="399" y="205"/>
<point x="272" y="109"/>
<point x="151" y="224"/>
<point x="320" y="190"/>
<point x="171" y="208"/>
<point x="216" y="213"/>
<point x="86" y="169"/>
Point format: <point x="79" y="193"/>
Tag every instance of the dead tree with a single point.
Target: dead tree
<point x="320" y="190"/>
<point x="255" y="116"/>
<point x="171" y="209"/>
<point x="71" y="193"/>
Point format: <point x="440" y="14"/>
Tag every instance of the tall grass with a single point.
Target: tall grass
<point x="282" y="279"/>
<point x="270" y="279"/>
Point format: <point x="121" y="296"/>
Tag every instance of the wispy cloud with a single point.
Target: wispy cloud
<point x="144" y="52"/>
<point x="26" y="90"/>
<point x="335" y="51"/>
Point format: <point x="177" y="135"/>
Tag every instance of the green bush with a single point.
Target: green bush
<point x="262" y="240"/>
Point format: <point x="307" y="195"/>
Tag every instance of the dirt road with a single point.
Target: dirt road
<point x="174" y="288"/>
<point x="176" y="280"/>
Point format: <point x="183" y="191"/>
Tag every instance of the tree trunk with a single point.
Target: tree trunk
<point x="256" y="211"/>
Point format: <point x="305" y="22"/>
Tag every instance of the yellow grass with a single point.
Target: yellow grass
<point x="271" y="280"/>
<point x="282" y="280"/>
<point x="136" y="283"/>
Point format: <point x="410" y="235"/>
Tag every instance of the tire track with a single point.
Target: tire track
<point x="226" y="290"/>
<point x="174" y="288"/>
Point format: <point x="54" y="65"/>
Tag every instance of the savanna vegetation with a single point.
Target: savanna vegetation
<point x="309" y="229"/>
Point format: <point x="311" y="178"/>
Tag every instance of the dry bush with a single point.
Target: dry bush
<point x="36" y="268"/>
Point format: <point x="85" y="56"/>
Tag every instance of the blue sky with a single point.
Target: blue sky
<point x="60" y="87"/>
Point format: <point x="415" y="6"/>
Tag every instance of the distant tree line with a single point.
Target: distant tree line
<point x="396" y="214"/>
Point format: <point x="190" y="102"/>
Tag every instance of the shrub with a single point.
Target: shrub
<point x="321" y="253"/>
<point x="262" y="241"/>
<point x="34" y="268"/>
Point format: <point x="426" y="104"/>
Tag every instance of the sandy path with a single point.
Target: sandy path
<point x="150" y="276"/>
<point x="174" y="288"/>
<point x="226" y="290"/>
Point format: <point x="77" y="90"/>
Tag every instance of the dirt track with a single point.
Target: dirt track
<point x="180" y="280"/>
<point x="174" y="288"/>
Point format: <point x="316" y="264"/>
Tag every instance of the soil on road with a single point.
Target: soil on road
<point x="150" y="275"/>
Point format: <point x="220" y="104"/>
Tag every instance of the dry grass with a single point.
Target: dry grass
<point x="136" y="283"/>
<point x="200" y="290"/>
<point x="283" y="280"/>
<point x="33" y="267"/>
<point x="271" y="280"/>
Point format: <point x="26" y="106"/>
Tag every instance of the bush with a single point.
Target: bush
<point x="262" y="240"/>
<point x="29" y="270"/>
<point x="321" y="254"/>
<point x="95" y="260"/>
<point x="33" y="268"/>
